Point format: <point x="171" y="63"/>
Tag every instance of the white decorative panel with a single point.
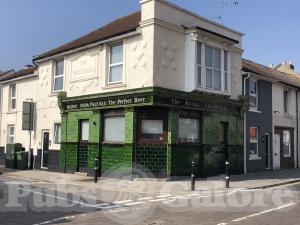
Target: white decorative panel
<point x="84" y="67"/>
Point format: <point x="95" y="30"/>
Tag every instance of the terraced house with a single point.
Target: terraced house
<point x="148" y="93"/>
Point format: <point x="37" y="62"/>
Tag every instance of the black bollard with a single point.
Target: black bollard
<point x="96" y="171"/>
<point x="193" y="177"/>
<point x="227" y="178"/>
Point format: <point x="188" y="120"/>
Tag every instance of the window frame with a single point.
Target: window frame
<point x="289" y="144"/>
<point x="285" y="101"/>
<point x="80" y="131"/>
<point x="11" y="98"/>
<point x="9" y="135"/>
<point x="253" y="95"/>
<point x="203" y="69"/>
<point x="191" y="115"/>
<point x="112" y="114"/>
<point x="55" y="137"/>
<point x="55" y="76"/>
<point x="252" y="142"/>
<point x="110" y="65"/>
<point x="152" y="114"/>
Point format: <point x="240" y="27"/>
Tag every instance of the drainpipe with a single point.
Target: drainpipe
<point x="245" y="123"/>
<point x="297" y="115"/>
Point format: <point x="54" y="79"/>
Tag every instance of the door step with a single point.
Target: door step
<point x="81" y="174"/>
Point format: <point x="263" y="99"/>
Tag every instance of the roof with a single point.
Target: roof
<point x="21" y="73"/>
<point x="253" y="67"/>
<point x="118" y="27"/>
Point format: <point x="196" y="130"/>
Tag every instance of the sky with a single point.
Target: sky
<point x="31" y="27"/>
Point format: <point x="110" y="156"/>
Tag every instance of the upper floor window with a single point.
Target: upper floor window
<point x="212" y="67"/>
<point x="116" y="64"/>
<point x="253" y="94"/>
<point x="285" y="101"/>
<point x="12" y="96"/>
<point x="58" y="82"/>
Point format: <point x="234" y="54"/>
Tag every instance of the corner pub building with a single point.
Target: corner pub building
<point x="150" y="93"/>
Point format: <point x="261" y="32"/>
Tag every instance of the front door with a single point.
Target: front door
<point x="276" y="152"/>
<point x="45" y="149"/>
<point x="267" y="151"/>
<point x="82" y="154"/>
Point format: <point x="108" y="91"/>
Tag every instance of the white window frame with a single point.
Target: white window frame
<point x="55" y="76"/>
<point x="290" y="152"/>
<point x="286" y="101"/>
<point x="55" y="133"/>
<point x="254" y="156"/>
<point x="203" y="68"/>
<point x="254" y="95"/>
<point x="115" y="64"/>
<point x="11" y="98"/>
<point x="9" y="135"/>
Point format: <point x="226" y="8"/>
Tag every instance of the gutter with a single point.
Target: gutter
<point x="245" y="122"/>
<point x="18" y="78"/>
<point x="74" y="50"/>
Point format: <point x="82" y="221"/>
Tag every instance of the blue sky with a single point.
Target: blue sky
<point x="30" y="27"/>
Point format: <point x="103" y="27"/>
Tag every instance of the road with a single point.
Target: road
<point x="43" y="203"/>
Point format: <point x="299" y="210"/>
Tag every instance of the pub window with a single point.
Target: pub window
<point x="253" y="139"/>
<point x="189" y="130"/>
<point x="116" y="64"/>
<point x="152" y="126"/>
<point x="287" y="143"/>
<point x="10" y="134"/>
<point x="57" y="133"/>
<point x="84" y="130"/>
<point x="12" y="96"/>
<point x="114" y="126"/>
<point x="58" y="78"/>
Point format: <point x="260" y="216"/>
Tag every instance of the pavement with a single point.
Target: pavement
<point x="250" y="181"/>
<point x="41" y="198"/>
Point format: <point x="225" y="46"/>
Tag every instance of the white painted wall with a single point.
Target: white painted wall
<point x="280" y="118"/>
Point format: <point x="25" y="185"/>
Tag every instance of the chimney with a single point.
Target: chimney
<point x="290" y="65"/>
<point x="27" y="66"/>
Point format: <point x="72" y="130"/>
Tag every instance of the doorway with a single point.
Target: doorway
<point x="267" y="151"/>
<point x="276" y="152"/>
<point x="82" y="154"/>
<point x="224" y="139"/>
<point x="45" y="149"/>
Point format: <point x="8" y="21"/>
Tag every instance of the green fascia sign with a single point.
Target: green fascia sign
<point x="151" y="97"/>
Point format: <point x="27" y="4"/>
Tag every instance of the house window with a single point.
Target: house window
<point x="253" y="136"/>
<point x="13" y="97"/>
<point x="57" y="133"/>
<point x="212" y="68"/>
<point x="58" y="83"/>
<point x="253" y="94"/>
<point x="152" y="126"/>
<point x="286" y="143"/>
<point x="285" y="101"/>
<point x="11" y="134"/>
<point x="189" y="130"/>
<point x="114" y="126"/>
<point x="116" y="64"/>
<point x="84" y="130"/>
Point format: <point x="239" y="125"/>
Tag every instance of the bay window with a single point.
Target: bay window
<point x="116" y="64"/>
<point x="286" y="143"/>
<point x="212" y="68"/>
<point x="58" y="80"/>
<point x="114" y="126"/>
